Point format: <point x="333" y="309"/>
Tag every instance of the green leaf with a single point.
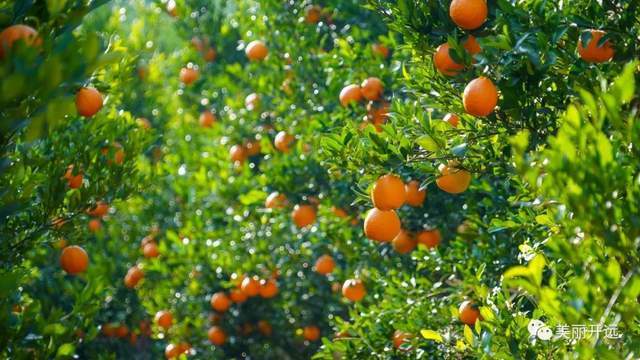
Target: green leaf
<point x="431" y="335"/>
<point x="66" y="350"/>
<point x="624" y="86"/>
<point x="428" y="143"/>
<point x="468" y="334"/>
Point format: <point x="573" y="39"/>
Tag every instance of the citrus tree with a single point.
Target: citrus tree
<point x="331" y="179"/>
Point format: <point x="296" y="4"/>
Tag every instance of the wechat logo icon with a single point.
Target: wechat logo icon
<point x="539" y="330"/>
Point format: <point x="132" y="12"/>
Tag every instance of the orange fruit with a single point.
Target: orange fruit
<point x="350" y="94"/>
<point x="237" y="154"/>
<point x="468" y="313"/>
<point x="94" y="225"/>
<point x="146" y="240"/>
<point x="471" y="45"/>
<point x="353" y="290"/>
<point x="133" y="276"/>
<point x="100" y="209"/>
<point x="164" y="319"/>
<point x="325" y="264"/>
<point x="480" y="97"/>
<point x="372" y="88"/>
<point x="444" y="63"/>
<point x="150" y="250"/>
<point x="256" y="50"/>
<point x="250" y="286"/>
<point x="380" y="225"/>
<point x="237" y="296"/>
<point x="207" y="119"/>
<point x="252" y="147"/>
<point x="108" y="330"/>
<point x="275" y="200"/>
<point x="265" y="328"/>
<point x="133" y="339"/>
<point x="388" y="192"/>
<point x="312" y="14"/>
<point x="452" y="179"/>
<point x="118" y="153"/>
<point x="404" y="242"/>
<point x="220" y="302"/>
<point x="73" y="181"/>
<point x="143" y="123"/>
<point x="452" y="119"/>
<point x="311" y="333"/>
<point x="303" y="215"/>
<point x="13" y="33"/>
<point x="171" y="351"/>
<point x="122" y="331"/>
<point x="400" y="338"/>
<point x="429" y="238"/>
<point x="74" y="259"/>
<point x="88" y="101"/>
<point x="252" y="102"/>
<point x="188" y="75"/>
<point x="216" y="335"/>
<point x="592" y="52"/>
<point x="378" y="114"/>
<point x="209" y="55"/>
<point x="60" y="244"/>
<point x="468" y="14"/>
<point x="184" y="348"/>
<point x="380" y="50"/>
<point x="172" y="8"/>
<point x="415" y="196"/>
<point x="282" y="141"/>
<point x="339" y="212"/>
<point x="268" y="288"/>
<point x="197" y="43"/>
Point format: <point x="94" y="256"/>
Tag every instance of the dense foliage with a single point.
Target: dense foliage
<point x="248" y="179"/>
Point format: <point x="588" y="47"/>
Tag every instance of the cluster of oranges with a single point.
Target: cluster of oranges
<point x="372" y="91"/>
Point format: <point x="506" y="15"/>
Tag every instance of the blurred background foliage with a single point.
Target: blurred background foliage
<point x="549" y="228"/>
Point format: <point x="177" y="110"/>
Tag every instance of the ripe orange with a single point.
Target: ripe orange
<point x="146" y="240"/>
<point x="404" y="242"/>
<point x="252" y="147"/>
<point x="184" y="348"/>
<point x="350" y="94"/>
<point x="400" y="338"/>
<point x="73" y="181"/>
<point x="325" y="265"/>
<point x="480" y="97"/>
<point x="415" y="196"/>
<point x="237" y="296"/>
<point x="143" y="123"/>
<point x="452" y="119"/>
<point x="150" y="250"/>
<point x="380" y="50"/>
<point x="471" y="45"/>
<point x="268" y="288"/>
<point x="237" y="154"/>
<point x="13" y="33"/>
<point x="256" y="50"/>
<point x="444" y="63"/>
<point x="469" y="313"/>
<point x="468" y="14"/>
<point x="171" y="351"/>
<point x="216" y="335"/>
<point x="275" y="200"/>
<point x="100" y="209"/>
<point x="592" y="52"/>
<point x="108" y="330"/>
<point x="353" y="290"/>
<point x="372" y="88"/>
<point x="251" y="286"/>
<point x="312" y="14"/>
<point x="197" y="43"/>
<point x="164" y="319"/>
<point x="380" y="225"/>
<point x="209" y="55"/>
<point x="207" y="119"/>
<point x="265" y="328"/>
<point x="74" y="259"/>
<point x="303" y="215"/>
<point x="88" y="101"/>
<point x="94" y="225"/>
<point x="252" y="102"/>
<point x="133" y="276"/>
<point x="339" y="212"/>
<point x="220" y="302"/>
<point x="189" y="75"/>
<point x="311" y="333"/>
<point x="388" y="192"/>
<point x="122" y="331"/>
<point x="452" y="179"/>
<point x="282" y="141"/>
<point x="378" y="114"/>
<point x="429" y="238"/>
<point x="118" y="154"/>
